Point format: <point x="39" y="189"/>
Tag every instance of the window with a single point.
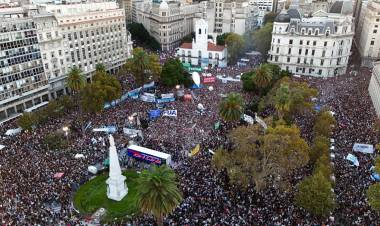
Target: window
<point x="299" y="60"/>
<point x="313" y="52"/>
<point x="375" y="31"/>
<point x="314" y="43"/>
<point x="325" y="44"/>
<point x="299" y="51"/>
<point x="288" y="59"/>
<point x="278" y="50"/>
<point x="290" y="41"/>
<point x="372" y="43"/>
<point x="301" y="42"/>
<point x="311" y="61"/>
<point x="322" y="62"/>
<point x="323" y="53"/>
<point x="199" y="31"/>
<point x="317" y="32"/>
<point x="278" y="40"/>
<point x="308" y="42"/>
<point x="290" y="51"/>
<point x="306" y="52"/>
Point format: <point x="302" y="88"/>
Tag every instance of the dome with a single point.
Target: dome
<point x="342" y="7"/>
<point x="283" y="17"/>
<point x="164" y="5"/>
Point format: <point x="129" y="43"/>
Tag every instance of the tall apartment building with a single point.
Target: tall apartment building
<point x="127" y="6"/>
<point x="368" y="32"/>
<point x="39" y="45"/>
<point x="225" y="16"/>
<point x="374" y="87"/>
<point x="167" y="22"/>
<point x="84" y="35"/>
<point x="264" y="5"/>
<point x="315" y="46"/>
<point x="23" y="83"/>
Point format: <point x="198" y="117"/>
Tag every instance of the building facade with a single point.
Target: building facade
<point x="23" y="83"/>
<point x="202" y="51"/>
<point x="224" y="16"/>
<point x="368" y="32"/>
<point x="39" y="45"/>
<point x="316" y="46"/>
<point x="167" y="22"/>
<point x="374" y="88"/>
<point x="88" y="34"/>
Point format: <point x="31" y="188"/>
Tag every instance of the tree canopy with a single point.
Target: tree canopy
<point x="315" y="195"/>
<point x="76" y="80"/>
<point x="142" y="36"/>
<point x="157" y="192"/>
<point x="143" y="66"/>
<point x="257" y="155"/>
<point x="235" y="46"/>
<point x="262" y="38"/>
<point x="173" y="73"/>
<point x="221" y="39"/>
<point x="373" y="195"/>
<point x="231" y="108"/>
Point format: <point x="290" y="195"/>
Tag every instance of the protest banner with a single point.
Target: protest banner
<point x="170" y="113"/>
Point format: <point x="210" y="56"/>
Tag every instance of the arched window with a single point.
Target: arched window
<point x="199" y="54"/>
<point x="189" y="53"/>
<point x="316" y="31"/>
<point x="183" y="52"/>
<point x="217" y="56"/>
<point x="210" y="55"/>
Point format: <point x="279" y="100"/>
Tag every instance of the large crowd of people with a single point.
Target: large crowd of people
<point x="30" y="193"/>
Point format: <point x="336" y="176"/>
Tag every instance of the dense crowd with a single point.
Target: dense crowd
<point x="30" y="194"/>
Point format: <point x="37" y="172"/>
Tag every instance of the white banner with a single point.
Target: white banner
<point x="148" y="98"/>
<point x="170" y="113"/>
<point x="167" y="95"/>
<point x="248" y="119"/>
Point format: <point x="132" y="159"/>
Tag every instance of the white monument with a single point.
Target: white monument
<point x="116" y="189"/>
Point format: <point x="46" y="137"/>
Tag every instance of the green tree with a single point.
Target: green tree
<point x="320" y="147"/>
<point x="143" y="66"/>
<point x="93" y="98"/>
<point x="282" y="101"/>
<point x="315" y="195"/>
<point x="142" y="36"/>
<point x="247" y="79"/>
<point x="188" y="38"/>
<point x="221" y="39"/>
<point x="262" y="38"/>
<point x="157" y="192"/>
<point x="100" y="68"/>
<point x="231" y="108"/>
<point x="323" y="124"/>
<point x="263" y="77"/>
<point x="109" y="84"/>
<point x="258" y="155"/>
<point x="269" y="17"/>
<point x="377" y="164"/>
<point x="76" y="80"/>
<point x="174" y="74"/>
<point x="27" y="121"/>
<point x="323" y="166"/>
<point x="56" y="141"/>
<point x="373" y="196"/>
<point x="66" y="102"/>
<point x="235" y="46"/>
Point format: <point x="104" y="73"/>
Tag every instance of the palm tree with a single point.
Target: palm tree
<point x="282" y="100"/>
<point x="142" y="65"/>
<point x="263" y="77"/>
<point x="100" y="67"/>
<point x="76" y="80"/>
<point x="157" y="192"/>
<point x="231" y="108"/>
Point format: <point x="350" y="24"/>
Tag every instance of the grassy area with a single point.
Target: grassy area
<point x="93" y="195"/>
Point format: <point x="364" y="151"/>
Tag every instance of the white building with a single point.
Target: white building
<point x="38" y="48"/>
<point x="90" y="34"/>
<point x="202" y="51"/>
<point x="316" y="46"/>
<point x="167" y="22"/>
<point x="263" y="5"/>
<point x="374" y="87"/>
<point x="368" y="32"/>
<point x="224" y="16"/>
<point x="23" y="83"/>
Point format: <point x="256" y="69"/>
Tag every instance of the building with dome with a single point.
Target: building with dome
<point x="202" y="51"/>
<point x="313" y="46"/>
<point x="167" y="21"/>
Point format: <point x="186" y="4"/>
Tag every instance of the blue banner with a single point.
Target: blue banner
<point x="165" y="100"/>
<point x="154" y="113"/>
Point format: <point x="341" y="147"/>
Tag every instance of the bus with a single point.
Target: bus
<point x="149" y="155"/>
